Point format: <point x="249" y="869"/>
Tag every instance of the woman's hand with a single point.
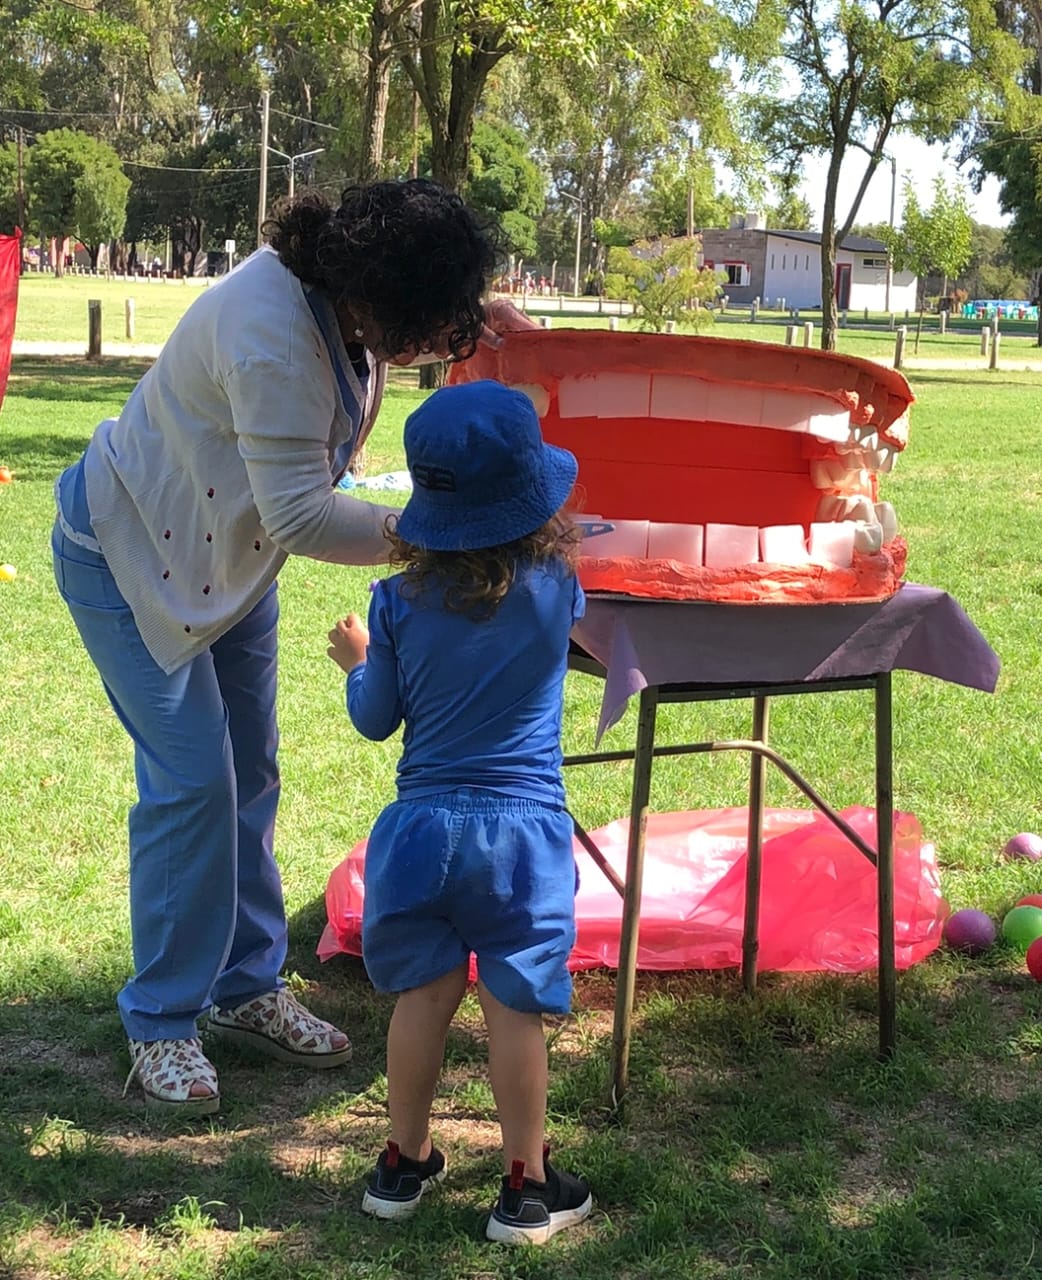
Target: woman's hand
<point x="501" y="316"/>
<point x="348" y="642"/>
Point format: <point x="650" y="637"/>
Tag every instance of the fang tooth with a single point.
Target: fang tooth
<point x="887" y="517"/>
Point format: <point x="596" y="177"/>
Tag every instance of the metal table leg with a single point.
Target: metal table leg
<point x="630" y="927"/>
<point x="754" y="844"/>
<point x="885" y="864"/>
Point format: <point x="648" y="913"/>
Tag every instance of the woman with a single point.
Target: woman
<point x="170" y="534"/>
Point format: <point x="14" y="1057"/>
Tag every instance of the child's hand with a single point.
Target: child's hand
<point x="348" y="642"/>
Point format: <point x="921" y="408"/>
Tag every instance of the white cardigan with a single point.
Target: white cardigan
<point x="222" y="461"/>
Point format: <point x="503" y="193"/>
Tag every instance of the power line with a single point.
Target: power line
<point x="303" y="119"/>
<point x="183" y="168"/>
<point x="186" y="109"/>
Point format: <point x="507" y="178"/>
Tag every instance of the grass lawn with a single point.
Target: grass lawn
<point x="56" y="310"/>
<point x="762" y="1138"/>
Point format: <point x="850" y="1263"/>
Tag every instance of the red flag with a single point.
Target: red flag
<point x="10" y="260"/>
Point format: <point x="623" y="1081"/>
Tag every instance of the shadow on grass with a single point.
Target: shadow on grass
<point x="42" y="455"/>
<point x="760" y="1137"/>
<point x="62" y="378"/>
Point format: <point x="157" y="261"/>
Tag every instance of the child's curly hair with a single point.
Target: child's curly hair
<point x="411" y="253"/>
<point x="475" y="582"/>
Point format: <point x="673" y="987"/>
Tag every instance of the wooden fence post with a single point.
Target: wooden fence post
<point x="128" y="307"/>
<point x="899" y="346"/>
<point x="93" y="329"/>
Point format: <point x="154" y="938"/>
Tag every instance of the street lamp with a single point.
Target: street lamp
<point x="578" y="233"/>
<point x="301" y="155"/>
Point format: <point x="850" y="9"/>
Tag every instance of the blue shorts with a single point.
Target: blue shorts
<point x="472" y="871"/>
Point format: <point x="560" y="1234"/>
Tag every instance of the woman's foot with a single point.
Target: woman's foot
<point x="278" y="1025"/>
<point x="175" y="1076"/>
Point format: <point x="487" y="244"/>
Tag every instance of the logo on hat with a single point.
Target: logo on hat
<point x="441" y="479"/>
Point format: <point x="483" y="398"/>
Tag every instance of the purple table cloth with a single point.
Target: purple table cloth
<point x="650" y="642"/>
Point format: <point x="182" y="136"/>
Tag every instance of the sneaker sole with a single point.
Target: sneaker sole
<point x="272" y="1049"/>
<point x="509" y="1233"/>
<point x="187" y="1107"/>
<point x="395" y="1210"/>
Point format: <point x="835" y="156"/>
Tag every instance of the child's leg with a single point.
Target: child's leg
<point x="415" y="1050"/>
<point x="518" y="1072"/>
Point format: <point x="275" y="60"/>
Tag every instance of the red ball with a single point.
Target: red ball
<point x="1035" y="959"/>
<point x="1030" y="900"/>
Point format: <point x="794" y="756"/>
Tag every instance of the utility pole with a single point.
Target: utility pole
<point x="20" y="203"/>
<point x="262" y="198"/>
<point x="889" y="251"/>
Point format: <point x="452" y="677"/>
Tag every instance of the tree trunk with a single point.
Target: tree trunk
<point x="58" y="255"/>
<point x="377" y="92"/>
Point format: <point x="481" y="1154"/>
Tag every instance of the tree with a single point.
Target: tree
<point x="76" y="187"/>
<point x="505" y="185"/>
<point x="867" y="67"/>
<point x="100" y="211"/>
<point x="934" y="239"/>
<point x="8" y="188"/>
<point x="662" y="283"/>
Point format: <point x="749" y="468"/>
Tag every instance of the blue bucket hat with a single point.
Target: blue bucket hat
<point x="482" y="474"/>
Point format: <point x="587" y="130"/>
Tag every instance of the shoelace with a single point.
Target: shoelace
<point x="152" y="1055"/>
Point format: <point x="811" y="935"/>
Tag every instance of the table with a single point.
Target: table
<point x="671" y="652"/>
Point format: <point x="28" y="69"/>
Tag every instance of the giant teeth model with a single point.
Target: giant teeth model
<point x="728" y="470"/>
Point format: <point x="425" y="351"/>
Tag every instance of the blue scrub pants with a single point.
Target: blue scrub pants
<point x="208" y="923"/>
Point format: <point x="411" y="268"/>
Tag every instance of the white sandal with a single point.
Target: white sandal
<point x="168" y="1070"/>
<point x="278" y="1025"/>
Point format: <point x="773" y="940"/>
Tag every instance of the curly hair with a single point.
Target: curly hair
<point x="475" y="582"/>
<point x="411" y="253"/>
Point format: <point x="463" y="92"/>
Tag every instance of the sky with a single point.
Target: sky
<point x="914" y="157"/>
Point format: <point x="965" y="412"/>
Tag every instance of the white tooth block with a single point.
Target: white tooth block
<point x="675" y="396"/>
<point x="683" y="542"/>
<point x="833" y="543"/>
<point x="868" y="537"/>
<point x="628" y="538"/>
<point x="829" y="426"/>
<point x="539" y="396"/>
<point x="882" y="459"/>
<point x="730" y="545"/>
<point x="868" y="439"/>
<point x="743" y="406"/>
<point x="622" y="395"/>
<point x="783" y="544"/>
<point x="887" y="517"/>
<point x="786" y="411"/>
<point x="576" y="397"/>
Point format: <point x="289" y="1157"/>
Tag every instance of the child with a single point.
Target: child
<point x="468" y="646"/>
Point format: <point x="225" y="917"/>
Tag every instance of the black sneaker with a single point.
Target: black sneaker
<point x="397" y="1183"/>
<point x="529" y="1212"/>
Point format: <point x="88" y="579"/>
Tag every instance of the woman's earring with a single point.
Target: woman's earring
<point x="359" y="333"/>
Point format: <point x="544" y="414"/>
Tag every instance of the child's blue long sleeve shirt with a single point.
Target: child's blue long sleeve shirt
<point x="481" y="700"/>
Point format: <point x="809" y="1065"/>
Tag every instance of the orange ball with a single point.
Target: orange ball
<point x="5" y="475"/>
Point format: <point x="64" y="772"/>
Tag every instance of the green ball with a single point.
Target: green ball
<point x="1022" y="926"/>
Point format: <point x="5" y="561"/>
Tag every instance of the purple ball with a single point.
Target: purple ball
<point x="969" y="931"/>
<point x="1025" y="845"/>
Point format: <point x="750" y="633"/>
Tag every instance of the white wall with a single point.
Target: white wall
<point x="793" y="271"/>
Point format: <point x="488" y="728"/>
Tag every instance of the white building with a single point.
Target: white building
<point x="775" y="265"/>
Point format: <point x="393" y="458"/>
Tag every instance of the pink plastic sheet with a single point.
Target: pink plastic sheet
<point x="817" y="903"/>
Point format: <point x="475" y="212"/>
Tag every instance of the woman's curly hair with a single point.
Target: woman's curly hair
<point x="475" y="582"/>
<point x="411" y="253"/>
